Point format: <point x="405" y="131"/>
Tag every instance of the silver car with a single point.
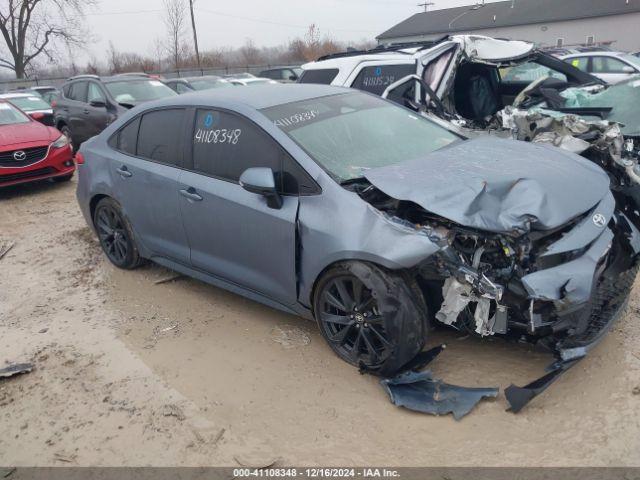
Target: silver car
<point x="378" y="223"/>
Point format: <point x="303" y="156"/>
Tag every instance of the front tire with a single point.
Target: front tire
<point x="116" y="235"/>
<point x="370" y="317"/>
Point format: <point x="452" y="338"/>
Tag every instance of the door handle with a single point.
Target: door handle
<point x="86" y="112"/>
<point x="124" y="172"/>
<point x="191" y="194"/>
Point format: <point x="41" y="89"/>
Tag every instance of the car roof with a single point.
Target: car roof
<point x="599" y="53"/>
<point x="257" y="97"/>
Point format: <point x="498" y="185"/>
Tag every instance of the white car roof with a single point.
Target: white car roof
<point x="603" y="53"/>
<point x="476" y="46"/>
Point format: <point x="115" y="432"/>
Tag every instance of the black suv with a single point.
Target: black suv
<point x="88" y="103"/>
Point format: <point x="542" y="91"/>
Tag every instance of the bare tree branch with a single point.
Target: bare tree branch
<point x="34" y="28"/>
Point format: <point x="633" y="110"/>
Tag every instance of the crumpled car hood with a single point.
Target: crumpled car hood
<point x="497" y="185"/>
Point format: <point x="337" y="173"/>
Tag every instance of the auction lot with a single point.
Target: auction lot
<point x="133" y="372"/>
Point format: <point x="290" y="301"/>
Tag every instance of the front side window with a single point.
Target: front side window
<point x="206" y="84"/>
<point x="94" y="93"/>
<point x="132" y="92"/>
<point x="348" y="134"/>
<point x="160" y="135"/>
<point x="225" y="145"/>
<point x="10" y="115"/>
<point x="323" y="76"/>
<point x="376" y="79"/>
<point x="581" y="63"/>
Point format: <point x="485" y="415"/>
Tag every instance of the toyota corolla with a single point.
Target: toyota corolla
<point x="372" y="220"/>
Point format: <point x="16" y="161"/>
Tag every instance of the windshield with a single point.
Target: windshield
<point x="132" y="92"/>
<point x="205" y="84"/>
<point x="29" y="104"/>
<point x="350" y="133"/>
<point x="10" y="115"/>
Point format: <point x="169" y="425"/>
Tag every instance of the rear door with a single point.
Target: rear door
<point x="74" y="109"/>
<point x="145" y="175"/>
<point x="97" y="117"/>
<point x="375" y="77"/>
<point x="233" y="234"/>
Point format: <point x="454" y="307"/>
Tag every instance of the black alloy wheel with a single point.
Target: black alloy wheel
<point x="352" y="322"/>
<point x="115" y="235"/>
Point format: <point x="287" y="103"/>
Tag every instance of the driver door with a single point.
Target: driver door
<point x="233" y="234"/>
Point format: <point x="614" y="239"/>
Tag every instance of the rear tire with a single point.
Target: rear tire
<point x="370" y="317"/>
<point x="116" y="235"/>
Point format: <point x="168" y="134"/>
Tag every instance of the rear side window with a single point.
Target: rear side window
<point x="159" y="136"/>
<point x="78" y="92"/>
<point x="376" y="79"/>
<point x="127" y="139"/>
<point x="323" y="76"/>
<point x="225" y="145"/>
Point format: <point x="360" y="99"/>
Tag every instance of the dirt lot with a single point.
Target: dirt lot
<point x="129" y="372"/>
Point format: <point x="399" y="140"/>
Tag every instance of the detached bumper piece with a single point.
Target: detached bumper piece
<point x="519" y="397"/>
<point x="420" y="392"/>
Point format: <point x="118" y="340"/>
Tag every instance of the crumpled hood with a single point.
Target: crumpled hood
<point x="497" y="185"/>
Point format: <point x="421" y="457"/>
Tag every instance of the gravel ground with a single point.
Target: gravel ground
<point x="130" y="372"/>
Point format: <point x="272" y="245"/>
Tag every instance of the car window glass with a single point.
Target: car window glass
<point x="127" y="138"/>
<point x="435" y="70"/>
<point x="159" y="137"/>
<point x="607" y="65"/>
<point x="225" y="145"/>
<point x="529" y="72"/>
<point x="375" y="79"/>
<point x="581" y="63"/>
<point x="78" y="92"/>
<point x="181" y="88"/>
<point x="323" y="76"/>
<point x="95" y="93"/>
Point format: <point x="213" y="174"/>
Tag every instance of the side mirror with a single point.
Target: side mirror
<point x="98" y="103"/>
<point x="293" y="77"/>
<point x="260" y="180"/>
<point x="628" y="69"/>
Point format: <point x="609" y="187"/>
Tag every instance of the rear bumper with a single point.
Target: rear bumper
<point x="58" y="163"/>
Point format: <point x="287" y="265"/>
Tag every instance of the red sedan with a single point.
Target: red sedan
<point x="31" y="151"/>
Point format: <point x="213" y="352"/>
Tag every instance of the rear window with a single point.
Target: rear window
<point x="323" y="76"/>
<point x="376" y="79"/>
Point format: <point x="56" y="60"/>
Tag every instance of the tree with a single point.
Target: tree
<point x="195" y="34"/>
<point x="174" y="20"/>
<point x="250" y="53"/>
<point x="32" y="28"/>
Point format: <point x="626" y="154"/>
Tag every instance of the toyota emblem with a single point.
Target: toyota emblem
<point x="19" y="155"/>
<point x="599" y="220"/>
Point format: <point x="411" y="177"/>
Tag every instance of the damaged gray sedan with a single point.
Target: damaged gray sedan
<point x="378" y="223"/>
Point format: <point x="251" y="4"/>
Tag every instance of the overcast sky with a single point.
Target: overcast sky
<point x="133" y="25"/>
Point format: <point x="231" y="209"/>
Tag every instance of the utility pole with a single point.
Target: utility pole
<point x="195" y="34"/>
<point x="426" y="5"/>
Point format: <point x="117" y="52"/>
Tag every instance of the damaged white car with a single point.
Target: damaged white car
<point x="506" y="88"/>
